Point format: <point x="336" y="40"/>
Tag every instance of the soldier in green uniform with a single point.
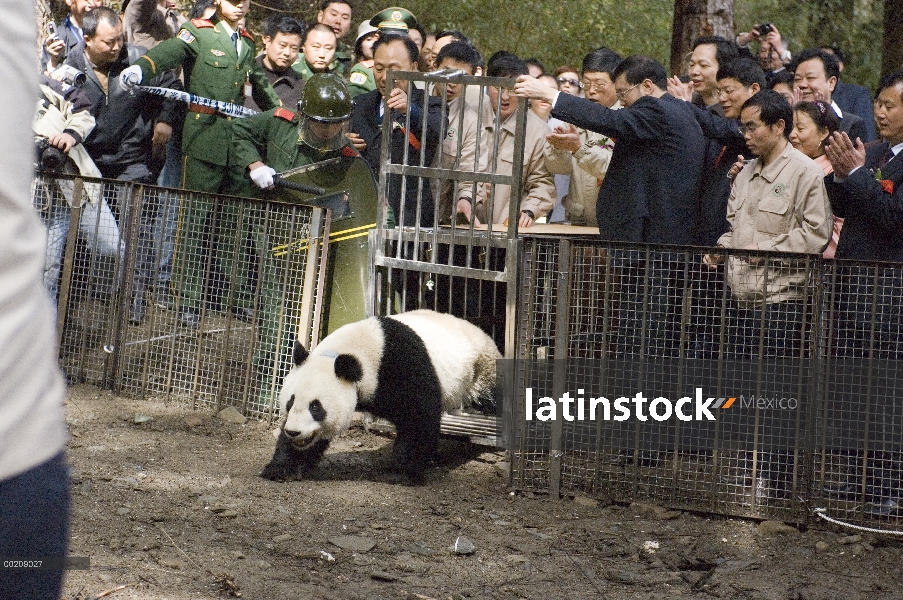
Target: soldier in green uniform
<point x="337" y="14"/>
<point x="361" y="81"/>
<point x="218" y="60"/>
<point x="317" y="52"/>
<point x="273" y="142"/>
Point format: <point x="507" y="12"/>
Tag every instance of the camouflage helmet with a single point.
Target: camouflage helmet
<point x="325" y="99"/>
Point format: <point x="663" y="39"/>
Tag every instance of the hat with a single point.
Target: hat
<point x="365" y="29"/>
<point x="394" y="20"/>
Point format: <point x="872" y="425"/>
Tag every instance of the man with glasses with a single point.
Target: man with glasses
<point x="651" y="189"/>
<point x="584" y="155"/>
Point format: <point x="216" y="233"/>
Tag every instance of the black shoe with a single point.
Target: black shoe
<point x="189" y="319"/>
<point x="137" y="310"/>
<point x="244" y="314"/>
<point x="163" y="297"/>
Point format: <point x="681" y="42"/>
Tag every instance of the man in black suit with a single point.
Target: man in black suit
<point x="872" y="206"/>
<point x="867" y="190"/>
<point x="815" y="75"/>
<point x="398" y="53"/>
<point x="652" y="187"/>
<point x="853" y="98"/>
<point x="650" y="194"/>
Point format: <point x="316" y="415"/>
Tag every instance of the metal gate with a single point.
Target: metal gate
<point x="425" y="255"/>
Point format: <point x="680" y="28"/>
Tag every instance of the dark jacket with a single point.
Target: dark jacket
<point x="725" y="143"/>
<point x="655" y="171"/>
<point x="873" y="216"/>
<point x="857" y="100"/>
<point x="364" y="123"/>
<point x="853" y="125"/>
<point x="69" y="36"/>
<point x="121" y="140"/>
<point x="288" y="86"/>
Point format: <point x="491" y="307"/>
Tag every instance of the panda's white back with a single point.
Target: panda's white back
<point x="462" y="354"/>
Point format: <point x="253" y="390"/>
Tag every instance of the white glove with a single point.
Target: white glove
<point x="130" y="78"/>
<point x="263" y="177"/>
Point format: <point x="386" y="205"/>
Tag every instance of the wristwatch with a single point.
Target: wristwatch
<point x="529" y="213"/>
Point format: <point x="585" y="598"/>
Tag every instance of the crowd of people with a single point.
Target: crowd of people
<point x="748" y="150"/>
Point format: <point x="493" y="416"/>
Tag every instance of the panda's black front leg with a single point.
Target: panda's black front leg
<point x="290" y="463"/>
<point x="416" y="448"/>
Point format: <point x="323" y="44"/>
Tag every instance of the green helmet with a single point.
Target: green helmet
<point x="325" y="99"/>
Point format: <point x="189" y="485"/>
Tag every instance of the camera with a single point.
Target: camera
<point x="70" y="75"/>
<point x="50" y="158"/>
<point x="764" y="29"/>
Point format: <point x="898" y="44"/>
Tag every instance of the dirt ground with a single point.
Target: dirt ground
<point x="168" y="503"/>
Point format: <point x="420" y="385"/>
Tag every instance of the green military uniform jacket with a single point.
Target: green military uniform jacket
<point x="212" y="70"/>
<point x="340" y="64"/>
<point x="361" y="81"/>
<point x="272" y="138"/>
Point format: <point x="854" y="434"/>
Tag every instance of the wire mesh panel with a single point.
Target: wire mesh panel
<point x="203" y="307"/>
<point x="649" y="342"/>
<point x="858" y="436"/>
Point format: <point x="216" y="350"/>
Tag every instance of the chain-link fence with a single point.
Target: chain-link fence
<point x="194" y="297"/>
<point x="797" y="355"/>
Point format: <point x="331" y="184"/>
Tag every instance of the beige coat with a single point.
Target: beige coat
<point x="587" y="167"/>
<point x="538" y="186"/>
<point x="145" y="23"/>
<point x="462" y="129"/>
<point x="56" y="115"/>
<point x="783" y="207"/>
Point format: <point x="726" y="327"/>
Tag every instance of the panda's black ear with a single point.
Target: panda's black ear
<point x="349" y="368"/>
<point x="299" y="354"/>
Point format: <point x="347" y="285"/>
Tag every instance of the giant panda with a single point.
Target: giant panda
<point x="407" y="368"/>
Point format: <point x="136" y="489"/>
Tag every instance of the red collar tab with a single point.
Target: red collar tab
<point x="201" y="23"/>
<point x="284" y="113"/>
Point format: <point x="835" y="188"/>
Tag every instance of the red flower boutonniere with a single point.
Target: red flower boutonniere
<point x="888" y="185"/>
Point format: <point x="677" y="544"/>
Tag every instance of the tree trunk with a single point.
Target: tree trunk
<point x="892" y="49"/>
<point x="695" y="18"/>
<point x="43" y="14"/>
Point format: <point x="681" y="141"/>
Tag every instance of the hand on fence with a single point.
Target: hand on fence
<point x="263" y="177"/>
<point x="130" y="77"/>
<point x="712" y="260"/>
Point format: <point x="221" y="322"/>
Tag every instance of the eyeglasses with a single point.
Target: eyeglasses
<point x="726" y="91"/>
<point x="573" y="82"/>
<point x="594" y="86"/>
<point x="750" y="127"/>
<point x="621" y="95"/>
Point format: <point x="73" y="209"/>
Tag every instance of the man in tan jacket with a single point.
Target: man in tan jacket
<point x="778" y="203"/>
<point x="538" y="188"/>
<point x="583" y="154"/>
<point x="459" y="146"/>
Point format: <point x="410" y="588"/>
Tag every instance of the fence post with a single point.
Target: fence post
<point x="559" y="377"/>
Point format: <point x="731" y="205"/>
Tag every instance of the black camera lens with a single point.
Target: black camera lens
<point x="764" y="29"/>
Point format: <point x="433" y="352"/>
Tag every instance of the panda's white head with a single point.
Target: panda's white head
<point x="319" y="395"/>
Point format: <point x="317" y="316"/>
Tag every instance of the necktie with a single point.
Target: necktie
<point x="885" y="158"/>
<point x="235" y="42"/>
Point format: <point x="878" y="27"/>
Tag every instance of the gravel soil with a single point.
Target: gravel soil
<point x="168" y="503"/>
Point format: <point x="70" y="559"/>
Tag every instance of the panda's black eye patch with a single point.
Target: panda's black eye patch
<point x="317" y="411"/>
<point x="288" y="405"/>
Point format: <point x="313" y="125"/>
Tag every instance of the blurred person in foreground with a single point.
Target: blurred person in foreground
<point x="34" y="494"/>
